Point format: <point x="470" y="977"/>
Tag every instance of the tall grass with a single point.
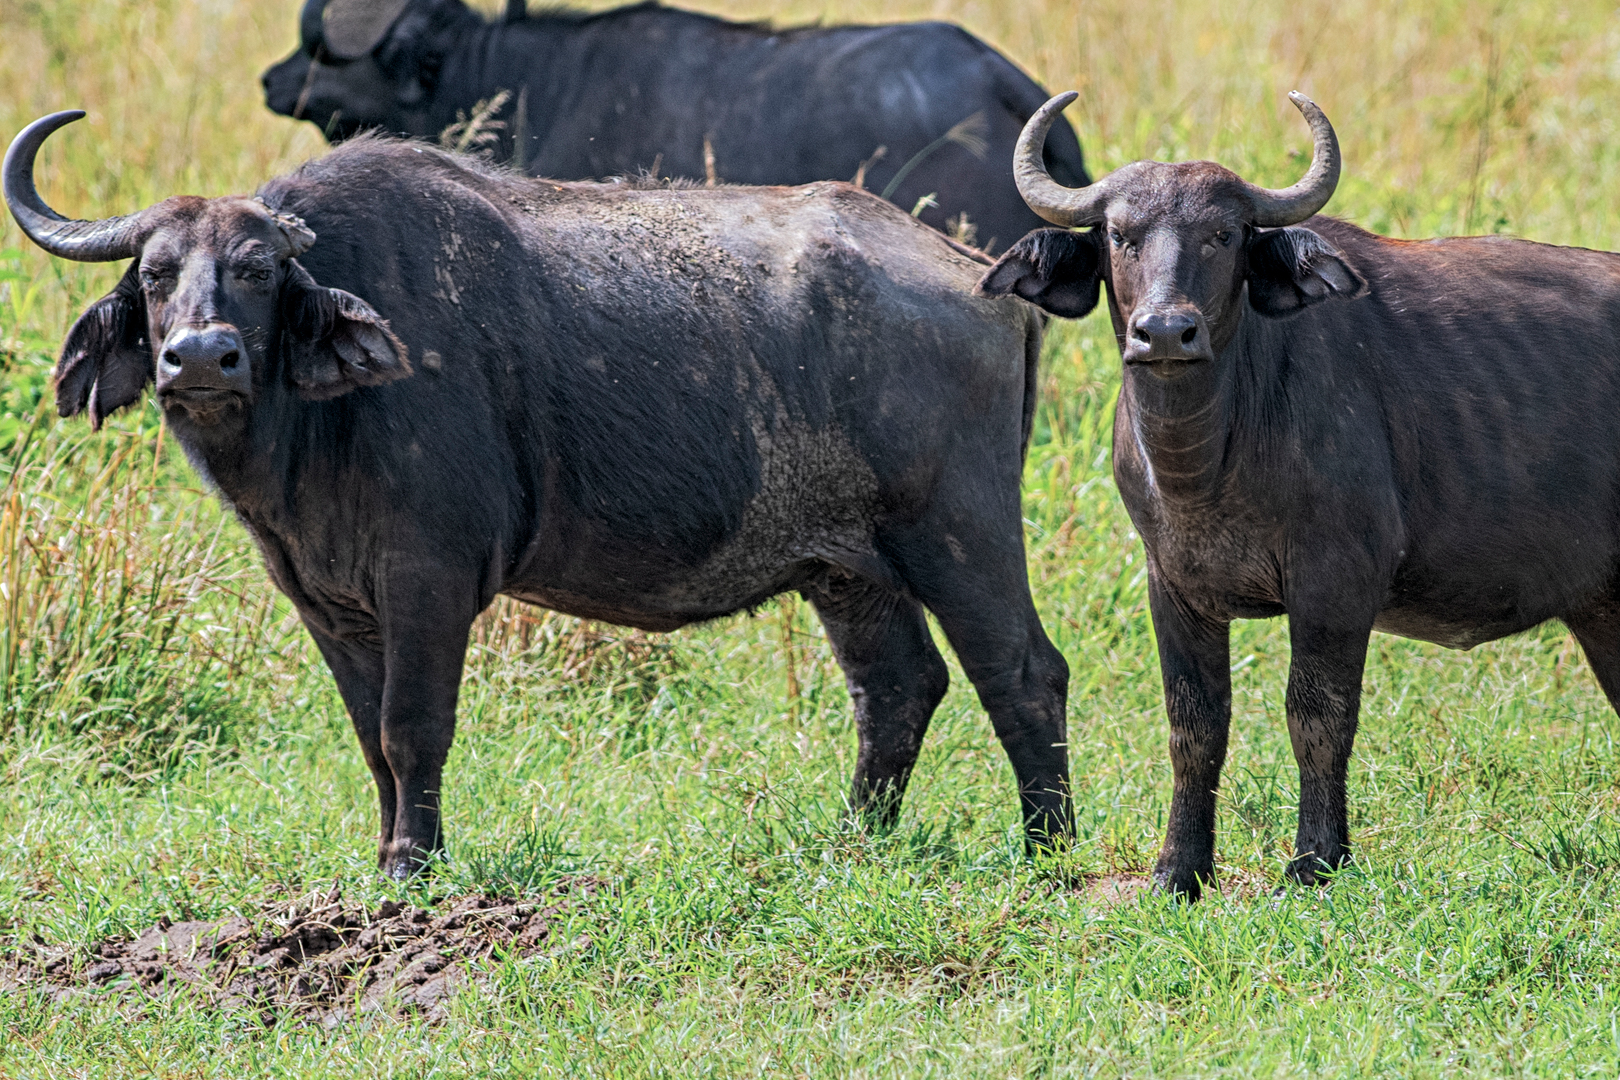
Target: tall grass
<point x="126" y="607"/>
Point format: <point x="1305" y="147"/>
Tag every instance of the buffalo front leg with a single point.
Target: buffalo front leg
<point x="359" y="672"/>
<point x="1195" y="663"/>
<point x="1324" y="703"/>
<point x="896" y="679"/>
<point x="426" y="644"/>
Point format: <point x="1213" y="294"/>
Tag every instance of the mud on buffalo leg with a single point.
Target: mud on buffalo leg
<point x="971" y="576"/>
<point x="1324" y="702"/>
<point x="359" y="674"/>
<point x="1195" y="663"/>
<point x="426" y="621"/>
<point x="896" y="679"/>
<point x="1597" y="628"/>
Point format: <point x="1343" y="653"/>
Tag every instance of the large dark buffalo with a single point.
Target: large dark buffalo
<point x="648" y="406"/>
<point x="1357" y="432"/>
<point x="647" y="87"/>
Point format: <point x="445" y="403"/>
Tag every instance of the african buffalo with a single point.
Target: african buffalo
<point x="686" y="95"/>
<point x="1360" y="433"/>
<point x="646" y="405"/>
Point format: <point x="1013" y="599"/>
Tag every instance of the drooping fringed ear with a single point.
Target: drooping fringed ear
<point x="1291" y="269"/>
<point x="333" y="341"/>
<point x="1057" y="270"/>
<point x="106" y="360"/>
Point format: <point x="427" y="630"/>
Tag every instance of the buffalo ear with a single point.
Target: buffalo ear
<point x="1291" y="269"/>
<point x="106" y="361"/>
<point x="334" y="341"/>
<point x="1055" y="269"/>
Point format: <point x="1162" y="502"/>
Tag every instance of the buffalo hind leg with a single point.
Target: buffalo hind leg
<point x="1023" y="683"/>
<point x="974" y="582"/>
<point x="896" y="679"/>
<point x="359" y="672"/>
<point x="1597" y="628"/>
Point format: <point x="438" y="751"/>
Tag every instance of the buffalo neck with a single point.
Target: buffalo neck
<point x="257" y="459"/>
<point x="503" y="56"/>
<point x="1178" y="427"/>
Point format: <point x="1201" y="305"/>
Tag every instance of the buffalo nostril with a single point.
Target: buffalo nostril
<point x="229" y="360"/>
<point x="171" y="359"/>
<point x="1190" y="334"/>
<point x="1141" y="334"/>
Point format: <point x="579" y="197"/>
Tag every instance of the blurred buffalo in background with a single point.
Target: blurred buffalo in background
<point x="923" y="113"/>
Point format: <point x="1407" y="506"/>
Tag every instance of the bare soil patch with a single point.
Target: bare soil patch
<point x="1109" y="891"/>
<point x="320" y="960"/>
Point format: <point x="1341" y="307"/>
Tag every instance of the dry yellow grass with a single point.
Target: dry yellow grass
<point x="1453" y="115"/>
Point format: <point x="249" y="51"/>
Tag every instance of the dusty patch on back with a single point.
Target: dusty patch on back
<point x="325" y="961"/>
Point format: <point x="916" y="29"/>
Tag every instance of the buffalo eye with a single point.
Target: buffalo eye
<point x="156" y="280"/>
<point x="1219" y="240"/>
<point x="1119" y="240"/>
<point x="254" y="273"/>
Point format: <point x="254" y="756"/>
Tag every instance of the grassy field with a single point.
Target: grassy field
<point x="171" y="745"/>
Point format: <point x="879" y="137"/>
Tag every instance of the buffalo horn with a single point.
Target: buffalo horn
<point x="309" y="22"/>
<point x="83" y="241"/>
<point x="1294" y="204"/>
<point x="1058" y="204"/>
<point x="353" y="27"/>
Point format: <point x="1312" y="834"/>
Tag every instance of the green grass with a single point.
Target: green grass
<point x="171" y="745"/>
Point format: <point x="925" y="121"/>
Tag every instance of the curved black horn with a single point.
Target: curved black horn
<point x="309" y="24"/>
<point x="1294" y="204"/>
<point x="1058" y="204"/>
<point x="83" y="241"/>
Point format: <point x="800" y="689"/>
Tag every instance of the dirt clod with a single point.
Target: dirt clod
<point x="322" y="960"/>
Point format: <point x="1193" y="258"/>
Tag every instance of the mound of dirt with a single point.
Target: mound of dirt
<point x="324" y="961"/>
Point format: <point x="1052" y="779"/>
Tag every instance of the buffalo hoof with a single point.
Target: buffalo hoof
<point x="877" y="814"/>
<point x="1041" y="844"/>
<point x="1310" y="870"/>
<point x="1182" y="882"/>
<point x="403" y="859"/>
<point x="1048" y="826"/>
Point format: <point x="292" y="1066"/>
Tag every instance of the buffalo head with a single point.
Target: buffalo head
<point x="215" y="307"/>
<point x="1185" y="248"/>
<point x="366" y="63"/>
